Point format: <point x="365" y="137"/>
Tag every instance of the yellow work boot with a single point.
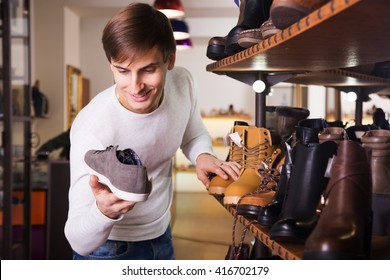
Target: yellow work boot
<point x="218" y="185"/>
<point x="250" y="204"/>
<point x="257" y="149"/>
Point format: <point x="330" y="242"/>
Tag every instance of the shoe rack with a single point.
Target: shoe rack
<point x="320" y="49"/>
<point x="312" y="51"/>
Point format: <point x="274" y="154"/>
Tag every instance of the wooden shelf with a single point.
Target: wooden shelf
<point x="228" y="117"/>
<point x="380" y="249"/>
<point x="341" y="34"/>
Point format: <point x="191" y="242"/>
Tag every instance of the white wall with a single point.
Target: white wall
<point x="60" y="37"/>
<point x="48" y="64"/>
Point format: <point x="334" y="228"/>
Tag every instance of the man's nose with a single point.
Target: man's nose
<point x="136" y="85"/>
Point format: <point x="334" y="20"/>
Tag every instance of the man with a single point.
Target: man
<point x="152" y="108"/>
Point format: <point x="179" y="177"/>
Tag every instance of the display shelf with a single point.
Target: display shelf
<point x="337" y="78"/>
<point x="380" y="249"/>
<point x="341" y="34"/>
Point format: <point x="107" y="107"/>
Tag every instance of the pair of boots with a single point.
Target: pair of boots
<point x="257" y="146"/>
<point x="254" y="148"/>
<point x="252" y="14"/>
<point x="357" y="200"/>
<point x="283" y="13"/>
<point x="292" y="212"/>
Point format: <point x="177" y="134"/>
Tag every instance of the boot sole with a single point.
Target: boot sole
<point x="217" y="190"/>
<point x="249" y="211"/>
<point x="129" y="196"/>
<point x="216" y="52"/>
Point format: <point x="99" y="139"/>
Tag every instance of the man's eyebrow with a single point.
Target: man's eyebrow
<point x="153" y="64"/>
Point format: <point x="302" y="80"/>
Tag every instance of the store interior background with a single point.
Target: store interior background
<point x="68" y="32"/>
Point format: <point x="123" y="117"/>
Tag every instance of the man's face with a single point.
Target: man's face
<point x="140" y="83"/>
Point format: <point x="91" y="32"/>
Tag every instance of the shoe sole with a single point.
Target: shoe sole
<point x="216" y="190"/>
<point x="129" y="196"/>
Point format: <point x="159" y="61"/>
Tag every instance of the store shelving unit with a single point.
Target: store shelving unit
<point x="15" y="125"/>
<point x="317" y="50"/>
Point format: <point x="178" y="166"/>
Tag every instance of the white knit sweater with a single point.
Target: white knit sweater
<point x="155" y="137"/>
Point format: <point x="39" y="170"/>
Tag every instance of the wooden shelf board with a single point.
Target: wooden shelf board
<point x="338" y="77"/>
<point x="342" y="33"/>
<point x="380" y="245"/>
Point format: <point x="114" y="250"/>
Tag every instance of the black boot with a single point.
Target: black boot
<point x="270" y="213"/>
<point x="307" y="130"/>
<point x="216" y="45"/>
<point x="305" y="187"/>
<point x="255" y="13"/>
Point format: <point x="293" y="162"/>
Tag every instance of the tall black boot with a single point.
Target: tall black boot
<point x="270" y="213"/>
<point x="305" y="187"/>
<point x="255" y="13"/>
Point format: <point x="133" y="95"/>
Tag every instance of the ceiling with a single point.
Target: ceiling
<point x="192" y="8"/>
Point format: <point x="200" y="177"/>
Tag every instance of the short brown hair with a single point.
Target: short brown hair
<point x="135" y="29"/>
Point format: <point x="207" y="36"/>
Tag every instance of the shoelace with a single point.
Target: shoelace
<point x="109" y="148"/>
<point x="269" y="181"/>
<point x="254" y="156"/>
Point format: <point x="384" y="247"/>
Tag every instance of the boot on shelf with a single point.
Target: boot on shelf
<point x="270" y="213"/>
<point x="287" y="120"/>
<point x="257" y="149"/>
<point x="307" y="183"/>
<point x="343" y="230"/>
<point x="251" y="203"/>
<point x="255" y="13"/>
<point x="217" y="184"/>
<point x="216" y="45"/>
<point x="336" y="134"/>
<point x="307" y="130"/>
<point x="377" y="144"/>
<point x="286" y="12"/>
<point x="250" y="37"/>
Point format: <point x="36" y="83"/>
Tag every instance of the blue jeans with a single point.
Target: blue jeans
<point x="160" y="248"/>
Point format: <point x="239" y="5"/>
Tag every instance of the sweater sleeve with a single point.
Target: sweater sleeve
<point x="86" y="227"/>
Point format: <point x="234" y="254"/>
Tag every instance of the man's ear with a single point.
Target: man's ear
<point x="171" y="60"/>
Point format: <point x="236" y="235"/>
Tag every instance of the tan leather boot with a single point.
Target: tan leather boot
<point x="257" y="149"/>
<point x="218" y="185"/>
<point x="377" y="144"/>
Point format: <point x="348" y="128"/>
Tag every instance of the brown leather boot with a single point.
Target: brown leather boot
<point x="217" y="184"/>
<point x="336" y="134"/>
<point x="343" y="229"/>
<point x="257" y="149"/>
<point x="286" y="12"/>
<point x="377" y="144"/>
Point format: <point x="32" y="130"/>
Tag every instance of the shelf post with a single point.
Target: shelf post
<point x="260" y="109"/>
<point x="359" y="108"/>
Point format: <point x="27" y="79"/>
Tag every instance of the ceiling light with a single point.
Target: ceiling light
<point x="184" y="44"/>
<point x="171" y="8"/>
<point x="180" y="30"/>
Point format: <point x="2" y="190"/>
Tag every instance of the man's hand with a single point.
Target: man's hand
<point x="107" y="202"/>
<point x="206" y="164"/>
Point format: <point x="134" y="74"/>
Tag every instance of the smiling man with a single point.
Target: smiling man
<point x="152" y="108"/>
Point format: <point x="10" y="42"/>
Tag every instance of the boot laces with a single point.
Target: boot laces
<point x="253" y="157"/>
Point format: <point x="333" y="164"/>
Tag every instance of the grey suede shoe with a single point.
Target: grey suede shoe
<point x="121" y="171"/>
